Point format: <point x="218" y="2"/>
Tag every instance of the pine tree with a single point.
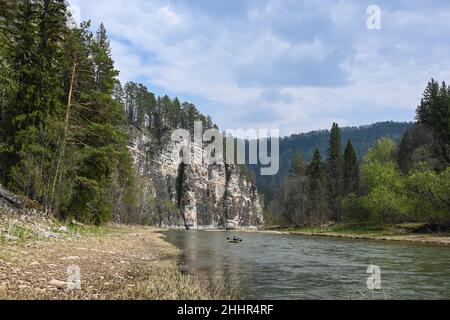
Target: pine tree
<point x="35" y="114"/>
<point x="8" y="82"/>
<point x="146" y="104"/>
<point x="316" y="190"/>
<point x="176" y="117"/>
<point x="119" y="94"/>
<point x="433" y="113"/>
<point x="298" y="164"/>
<point x="76" y="78"/>
<point x="427" y="111"/>
<point x="158" y="123"/>
<point x="350" y="170"/>
<point x="315" y="170"/>
<point x="100" y="148"/>
<point x="334" y="175"/>
<point x="295" y="193"/>
<point x="105" y="73"/>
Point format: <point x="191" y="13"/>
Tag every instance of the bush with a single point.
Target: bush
<point x="354" y="210"/>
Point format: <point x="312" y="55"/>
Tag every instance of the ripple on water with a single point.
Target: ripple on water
<point x="268" y="266"/>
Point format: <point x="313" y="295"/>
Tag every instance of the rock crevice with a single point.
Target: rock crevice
<point x="207" y="196"/>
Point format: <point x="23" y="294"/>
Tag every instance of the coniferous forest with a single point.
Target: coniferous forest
<point x="65" y="118"/>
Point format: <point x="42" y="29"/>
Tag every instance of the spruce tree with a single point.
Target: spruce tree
<point x="350" y="170"/>
<point x="176" y="116"/>
<point x="158" y="121"/>
<point x="77" y="80"/>
<point x="316" y="191"/>
<point x="433" y="113"/>
<point x="298" y="164"/>
<point x="334" y="174"/>
<point x="100" y="139"/>
<point x="35" y="114"/>
<point x="105" y="73"/>
<point x="8" y="81"/>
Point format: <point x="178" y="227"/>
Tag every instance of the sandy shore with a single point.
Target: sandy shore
<point x="39" y="259"/>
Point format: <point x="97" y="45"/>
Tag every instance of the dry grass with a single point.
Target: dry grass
<point x="397" y="233"/>
<point x="116" y="262"/>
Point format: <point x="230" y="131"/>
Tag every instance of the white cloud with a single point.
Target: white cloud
<point x="193" y="54"/>
<point x="169" y="17"/>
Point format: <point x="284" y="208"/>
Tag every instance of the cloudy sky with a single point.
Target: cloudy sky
<point x="287" y="64"/>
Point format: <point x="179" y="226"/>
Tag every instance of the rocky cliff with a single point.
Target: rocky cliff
<point x="206" y="197"/>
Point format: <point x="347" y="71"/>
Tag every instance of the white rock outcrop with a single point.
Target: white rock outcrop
<point x="207" y="197"/>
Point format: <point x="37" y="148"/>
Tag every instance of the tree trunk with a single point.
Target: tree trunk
<point x="64" y="139"/>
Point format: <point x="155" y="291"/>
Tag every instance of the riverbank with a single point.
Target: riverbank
<point x="115" y="262"/>
<point x="402" y="232"/>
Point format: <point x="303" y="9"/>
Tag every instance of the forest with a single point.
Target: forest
<point x="408" y="181"/>
<point x="363" y="138"/>
<point x="65" y="119"/>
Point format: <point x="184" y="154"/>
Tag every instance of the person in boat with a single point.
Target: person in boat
<point x="235" y="239"/>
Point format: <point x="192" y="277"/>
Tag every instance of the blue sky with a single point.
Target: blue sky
<point x="284" y="64"/>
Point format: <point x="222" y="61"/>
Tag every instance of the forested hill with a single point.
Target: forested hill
<point x="362" y="138"/>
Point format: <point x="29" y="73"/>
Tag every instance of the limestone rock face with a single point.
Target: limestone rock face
<point x="206" y="196"/>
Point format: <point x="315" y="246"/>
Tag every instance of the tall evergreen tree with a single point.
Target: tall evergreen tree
<point x="100" y="145"/>
<point x="298" y="166"/>
<point x="433" y="113"/>
<point x="34" y="115"/>
<point x="350" y="170"/>
<point x="8" y="83"/>
<point x="105" y="73"/>
<point x="77" y="80"/>
<point x="316" y="191"/>
<point x="334" y="175"/>
<point x="176" y="113"/>
<point x="158" y="123"/>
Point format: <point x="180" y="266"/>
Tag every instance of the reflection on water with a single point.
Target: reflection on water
<point x="271" y="266"/>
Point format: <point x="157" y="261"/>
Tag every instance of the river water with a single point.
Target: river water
<point x="273" y="266"/>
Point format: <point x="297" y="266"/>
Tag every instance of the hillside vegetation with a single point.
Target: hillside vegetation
<point x="396" y="181"/>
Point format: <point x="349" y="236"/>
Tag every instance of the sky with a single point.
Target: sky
<point x="290" y="65"/>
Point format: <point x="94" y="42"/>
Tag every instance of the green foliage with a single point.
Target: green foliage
<point x="430" y="193"/>
<point x="334" y="172"/>
<point x="100" y="149"/>
<point x="384" y="151"/>
<point x="247" y="173"/>
<point x="384" y="184"/>
<point x="158" y="114"/>
<point x="350" y="170"/>
<point x="433" y="113"/>
<point x="416" y="149"/>
<point x="8" y="79"/>
<point x="363" y="138"/>
<point x="318" y="211"/>
<point x="63" y="139"/>
<point x="354" y="210"/>
<point x="298" y="166"/>
<point x="33" y="115"/>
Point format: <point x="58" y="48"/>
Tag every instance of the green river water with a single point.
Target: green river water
<point x="273" y="266"/>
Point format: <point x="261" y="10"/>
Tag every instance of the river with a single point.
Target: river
<point x="274" y="266"/>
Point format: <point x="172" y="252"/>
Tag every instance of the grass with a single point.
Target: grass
<point x="116" y="262"/>
<point x="343" y="229"/>
<point x="411" y="232"/>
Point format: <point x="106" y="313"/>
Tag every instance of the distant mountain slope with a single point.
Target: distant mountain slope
<point x="362" y="137"/>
